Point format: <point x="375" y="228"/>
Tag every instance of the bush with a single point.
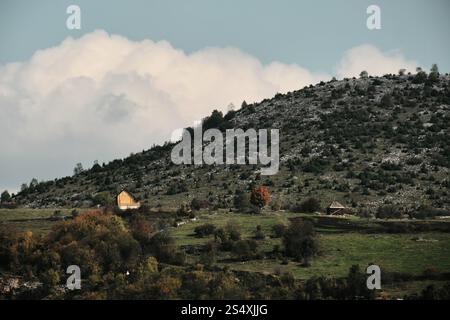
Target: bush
<point x="259" y="234"/>
<point x="227" y="236"/>
<point x="300" y="241"/>
<point x="241" y="201"/>
<point x="142" y="230"/>
<point x="233" y="231"/>
<point x="279" y="230"/>
<point x="103" y="199"/>
<point x="386" y="101"/>
<point x="162" y="246"/>
<point x="204" y="230"/>
<point x="388" y="212"/>
<point x="429" y="212"/>
<point x="197" y="204"/>
<point x="244" y="249"/>
<point x="177" y="187"/>
<point x="309" y="205"/>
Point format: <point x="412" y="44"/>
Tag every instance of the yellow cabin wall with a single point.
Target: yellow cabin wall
<point x="125" y="199"/>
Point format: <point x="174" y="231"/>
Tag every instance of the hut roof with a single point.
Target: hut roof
<point x="127" y="192"/>
<point x="336" y="205"/>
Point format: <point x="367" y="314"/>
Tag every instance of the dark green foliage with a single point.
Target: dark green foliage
<point x="279" y="230"/>
<point x="103" y="199"/>
<point x="241" y="201"/>
<point x="388" y="212"/>
<point x="5" y="197"/>
<point x="197" y="204"/>
<point x="259" y="234"/>
<point x="300" y="241"/>
<point x="216" y="121"/>
<point x="204" y="230"/>
<point x="177" y="187"/>
<point x="244" y="249"/>
<point x="386" y="101"/>
<point x="309" y="205"/>
<point x="428" y="212"/>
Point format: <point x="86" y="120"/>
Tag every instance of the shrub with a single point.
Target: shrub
<point x="233" y="231"/>
<point x="309" y="205"/>
<point x="388" y="212"/>
<point x="279" y="230"/>
<point x="103" y="199"/>
<point x="386" y="101"/>
<point x="244" y="249"/>
<point x="162" y="246"/>
<point x="197" y="204"/>
<point x="300" y="241"/>
<point x="177" y="187"/>
<point x="259" y="234"/>
<point x="241" y="201"/>
<point x="429" y="212"/>
<point x="204" y="230"/>
<point x="142" y="230"/>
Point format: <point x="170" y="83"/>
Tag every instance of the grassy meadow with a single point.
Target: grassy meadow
<point x="411" y="253"/>
<point x="36" y="220"/>
<point x="340" y="248"/>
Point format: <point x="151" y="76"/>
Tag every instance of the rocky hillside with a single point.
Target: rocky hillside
<point x="365" y="142"/>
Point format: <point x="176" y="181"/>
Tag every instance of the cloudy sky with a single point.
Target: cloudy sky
<point x="137" y="70"/>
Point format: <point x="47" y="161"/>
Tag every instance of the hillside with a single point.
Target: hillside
<point x="365" y="142"/>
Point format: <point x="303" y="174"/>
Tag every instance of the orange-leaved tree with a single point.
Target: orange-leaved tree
<point x="260" y="196"/>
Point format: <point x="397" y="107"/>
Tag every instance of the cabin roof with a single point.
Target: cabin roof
<point x="336" y="205"/>
<point x="127" y="192"/>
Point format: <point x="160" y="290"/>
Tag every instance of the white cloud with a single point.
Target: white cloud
<point x="373" y="60"/>
<point x="103" y="96"/>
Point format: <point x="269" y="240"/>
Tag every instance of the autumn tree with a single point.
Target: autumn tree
<point x="260" y="196"/>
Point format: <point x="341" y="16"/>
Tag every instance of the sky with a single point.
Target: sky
<point x="137" y="70"/>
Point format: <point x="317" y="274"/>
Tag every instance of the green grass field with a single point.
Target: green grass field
<point x="338" y="250"/>
<point x="35" y="220"/>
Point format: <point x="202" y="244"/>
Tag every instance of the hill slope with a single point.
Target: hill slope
<point x="364" y="142"/>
